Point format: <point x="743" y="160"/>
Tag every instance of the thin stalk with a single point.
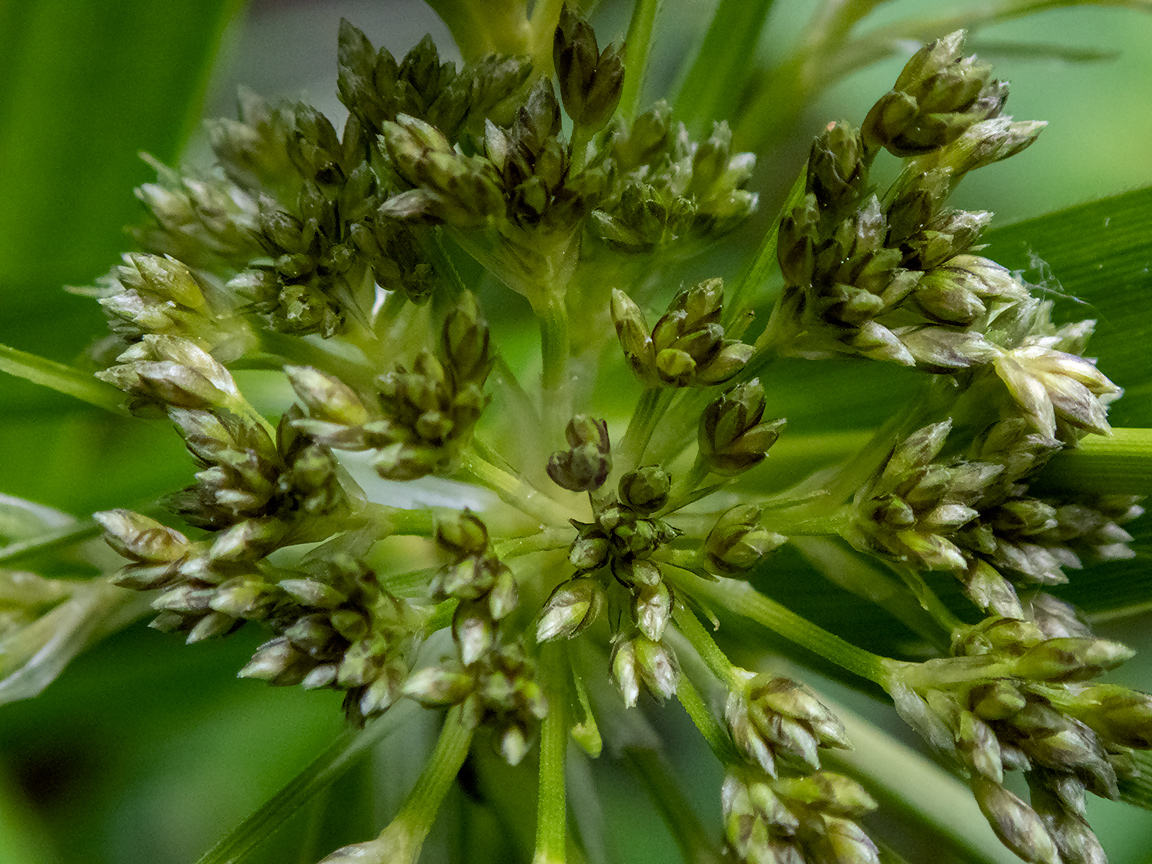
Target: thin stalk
<point x="61" y="378"/>
<point x="554" y="349"/>
<point x="419" y="810"/>
<point x="433" y="246"/>
<point x="48" y="541"/>
<point x="1120" y="463"/>
<point x="358" y="376"/>
<point x="843" y="567"/>
<point x="650" y="409"/>
<point x="543" y="541"/>
<point x="696" y="842"/>
<point x="639" y="42"/>
<point x="542" y="26"/>
<point x="512" y="490"/>
<point x="552" y="803"/>
<point x="762" y="265"/>
<point x="341" y="755"/>
<point x="701" y="640"/>
<point x="740" y="598"/>
<point x="927" y="598"/>
<point x="705" y="721"/>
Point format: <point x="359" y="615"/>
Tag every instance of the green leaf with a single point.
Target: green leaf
<point x="239" y="844"/>
<point x="715" y="82"/>
<point x="84" y="87"/>
<point x="639" y="44"/>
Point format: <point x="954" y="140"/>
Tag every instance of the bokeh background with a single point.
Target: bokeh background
<point x="146" y="750"/>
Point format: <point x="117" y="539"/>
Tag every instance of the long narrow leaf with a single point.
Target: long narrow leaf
<point x="715" y="82"/>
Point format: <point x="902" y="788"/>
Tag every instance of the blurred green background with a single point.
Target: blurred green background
<point x="146" y="750"/>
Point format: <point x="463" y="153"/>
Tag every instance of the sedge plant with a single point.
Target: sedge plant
<point x="520" y="460"/>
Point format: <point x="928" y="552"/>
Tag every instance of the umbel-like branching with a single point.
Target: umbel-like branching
<point x="619" y="490"/>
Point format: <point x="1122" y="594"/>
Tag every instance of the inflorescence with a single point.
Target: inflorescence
<point x="619" y="464"/>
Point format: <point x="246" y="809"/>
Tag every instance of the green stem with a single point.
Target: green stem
<point x="639" y="42"/>
<point x="701" y="640"/>
<point x="713" y="733"/>
<point x="653" y="403"/>
<point x="740" y="598"/>
<point x="419" y="809"/>
<point x="62" y="378"/>
<point x="843" y="567"/>
<point x="696" y="841"/>
<point x="341" y="755"/>
<point x="512" y="490"/>
<point x="1120" y="463"/>
<point x="358" y="376"/>
<point x="48" y="541"/>
<point x="433" y="245"/>
<point x="926" y="597"/>
<point x="554" y="350"/>
<point x="543" y="541"/>
<point x="552" y="805"/>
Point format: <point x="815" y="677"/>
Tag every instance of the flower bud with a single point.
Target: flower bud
<point x="646" y="489"/>
<point x="836" y="170"/>
<point x="732" y="437"/>
<point x="141" y="539"/>
<point x="652" y="609"/>
<point x="1015" y="823"/>
<point x="590" y="81"/>
<point x="462" y="535"/>
<point x="433" y="686"/>
<point x="738" y="541"/>
<point x="587" y="462"/>
<point x="572" y="607"/>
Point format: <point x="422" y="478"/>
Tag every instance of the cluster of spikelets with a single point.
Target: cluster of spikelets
<point x="345" y="260"/>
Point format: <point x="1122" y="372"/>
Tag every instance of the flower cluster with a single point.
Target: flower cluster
<point x="610" y="487"/>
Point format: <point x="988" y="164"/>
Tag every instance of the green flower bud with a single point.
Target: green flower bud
<point x="587" y="462"/>
<point x="1015" y="823"/>
<point x="590" y="81"/>
<point x="139" y="538"/>
<point x="1052" y="385"/>
<point x="632" y="331"/>
<point x="434" y="686"/>
<point x="830" y="793"/>
<point x="646" y="489"/>
<point x="995" y="700"/>
<point x="312" y="592"/>
<point x="636" y="572"/>
<point x="626" y="671"/>
<point x="589" y="551"/>
<point x="278" y="662"/>
<point x="473" y="630"/>
<point x="462" y="535"/>
<point x="732" y="437"/>
<point x="572" y="607"/>
<point x="738" y="541"/>
<point x="248" y="597"/>
<point x="652" y="609"/>
<point x="937" y="96"/>
<point x="1071" y="659"/>
<point x="837" y="173"/>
